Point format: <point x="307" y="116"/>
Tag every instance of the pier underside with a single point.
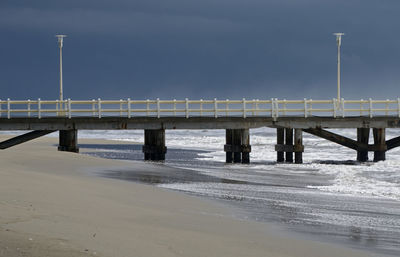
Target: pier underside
<point x="290" y="130"/>
<point x="111" y="123"/>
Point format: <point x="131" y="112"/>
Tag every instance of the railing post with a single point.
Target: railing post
<point x="387" y="107"/>
<point x="215" y="108"/>
<point x="39" y="108"/>
<point x="334" y="107"/>
<point x="174" y="107"/>
<point x="244" y="108"/>
<point x="120" y="107"/>
<point x="29" y="107"/>
<point x="226" y="107"/>
<point x="129" y="108"/>
<point x="253" y="106"/>
<point x="398" y="106"/>
<point x="69" y="108"/>
<point x="343" y="111"/>
<point x="276" y="108"/>
<point x="147" y="107"/>
<point x="305" y="108"/>
<point x="57" y="110"/>
<point x="99" y="107"/>
<point x="61" y="107"/>
<point x="8" y="108"/>
<point x="187" y="107"/>
<point x="65" y="104"/>
<point x="257" y="107"/>
<point x="284" y="107"/>
<point x="272" y="108"/>
<point x="370" y="108"/>
<point x="64" y="108"/>
<point x="158" y="107"/>
<point x="93" y="107"/>
<point x="201" y="107"/>
<point x="361" y="107"/>
<point x="338" y="106"/>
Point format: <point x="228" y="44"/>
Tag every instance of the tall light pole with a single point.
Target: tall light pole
<point x="339" y="43"/>
<point x="60" y="45"/>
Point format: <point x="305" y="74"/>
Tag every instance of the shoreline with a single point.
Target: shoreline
<point x="46" y="194"/>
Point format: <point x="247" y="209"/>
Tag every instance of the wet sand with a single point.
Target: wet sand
<point x="52" y="205"/>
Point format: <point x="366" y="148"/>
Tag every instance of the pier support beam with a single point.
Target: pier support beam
<point x="237" y="146"/>
<point x="393" y="143"/>
<point x="285" y="146"/>
<point x="362" y="137"/>
<point x="24" y="138"/>
<point x="237" y="141"/>
<point x="362" y="147"/>
<point x="229" y="143"/>
<point x="280" y="140"/>
<point x="68" y="141"/>
<point x="298" y="146"/>
<point x="338" y="139"/>
<point x="154" y="145"/>
<point x="289" y="142"/>
<point x="380" y="144"/>
<point x="246" y="148"/>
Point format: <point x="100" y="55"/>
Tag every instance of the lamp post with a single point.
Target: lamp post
<point x="60" y="45"/>
<point x="339" y="43"/>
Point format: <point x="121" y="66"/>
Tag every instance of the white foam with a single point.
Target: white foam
<point x="377" y="180"/>
<point x="380" y="179"/>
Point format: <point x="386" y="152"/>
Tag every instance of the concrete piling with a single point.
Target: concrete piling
<point x="289" y="142"/>
<point x="286" y="146"/>
<point x="298" y="146"/>
<point x="68" y="141"/>
<point x="229" y="142"/>
<point x="237" y="142"/>
<point x="380" y="144"/>
<point x="246" y="148"/>
<point x="237" y="146"/>
<point x="280" y="133"/>
<point x="362" y="137"/>
<point x="154" y="148"/>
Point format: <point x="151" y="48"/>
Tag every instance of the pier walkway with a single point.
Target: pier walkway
<point x="290" y="118"/>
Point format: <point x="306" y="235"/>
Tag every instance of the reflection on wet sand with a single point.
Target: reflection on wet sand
<point x="279" y="194"/>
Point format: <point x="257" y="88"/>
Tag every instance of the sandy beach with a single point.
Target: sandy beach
<point x="52" y="205"/>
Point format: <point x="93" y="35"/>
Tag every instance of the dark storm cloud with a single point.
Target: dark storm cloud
<point x="199" y="49"/>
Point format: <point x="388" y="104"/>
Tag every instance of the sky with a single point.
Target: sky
<point x="225" y="49"/>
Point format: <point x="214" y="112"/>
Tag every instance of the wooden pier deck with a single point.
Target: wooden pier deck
<point x="237" y="117"/>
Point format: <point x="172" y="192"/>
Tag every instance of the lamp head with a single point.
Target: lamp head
<point x="60" y="39"/>
<point x="339" y="38"/>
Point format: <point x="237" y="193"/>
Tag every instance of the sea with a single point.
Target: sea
<point x="329" y="198"/>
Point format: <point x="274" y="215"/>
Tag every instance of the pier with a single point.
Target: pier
<point x="291" y="118"/>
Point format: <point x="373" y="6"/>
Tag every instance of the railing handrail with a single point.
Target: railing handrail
<point x="273" y="107"/>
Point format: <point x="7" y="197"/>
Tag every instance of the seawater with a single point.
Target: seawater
<point x="330" y="197"/>
<point x="381" y="180"/>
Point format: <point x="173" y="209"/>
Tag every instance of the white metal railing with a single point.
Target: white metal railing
<point x="274" y="108"/>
